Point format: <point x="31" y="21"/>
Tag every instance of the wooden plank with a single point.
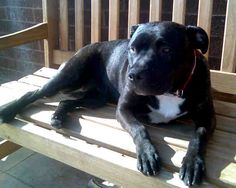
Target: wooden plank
<point x="225" y="108"/>
<point x="223" y="81"/>
<point x="226" y="124"/>
<point x="50" y="15"/>
<point x="110" y="138"/>
<point x="166" y="140"/>
<point x="34" y="80"/>
<point x="204" y="15"/>
<point x="36" y="32"/>
<point x="46" y="72"/>
<point x="155" y="10"/>
<point x="205" y="9"/>
<point x="133" y="14"/>
<point x="96" y="20"/>
<point x="178" y="14"/>
<point x="79" y="24"/>
<point x="228" y="58"/>
<point x="6" y="148"/>
<point x="60" y="56"/>
<point x="101" y="162"/>
<point x="114" y="15"/>
<point x="63" y="25"/>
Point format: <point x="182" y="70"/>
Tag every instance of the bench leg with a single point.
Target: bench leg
<point x="7" y="147"/>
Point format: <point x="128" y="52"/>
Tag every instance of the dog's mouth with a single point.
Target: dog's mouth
<point x="152" y="89"/>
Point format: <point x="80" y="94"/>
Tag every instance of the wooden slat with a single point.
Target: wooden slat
<point x="133" y="14"/>
<point x="155" y="10"/>
<point x="163" y="139"/>
<point x="79" y="24"/>
<point x="228" y="60"/>
<point x="205" y="9"/>
<point x="96" y="20"/>
<point x="50" y="15"/>
<point x="101" y="162"/>
<point x="225" y="108"/>
<point x="63" y="25"/>
<point x="60" y="56"/>
<point x="46" y="72"/>
<point x="223" y="81"/>
<point x="171" y="143"/>
<point x="114" y="15"/>
<point x="178" y="14"/>
<point x="6" y="148"/>
<point x="34" y="80"/>
<point x="30" y="34"/>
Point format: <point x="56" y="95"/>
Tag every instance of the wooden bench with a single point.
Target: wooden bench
<point x="92" y="140"/>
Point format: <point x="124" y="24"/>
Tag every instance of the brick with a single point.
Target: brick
<point x="219" y="7"/>
<point x="214" y="63"/>
<point x="217" y="26"/>
<point x="38" y="15"/>
<point x="191" y="19"/>
<point x="2" y="13"/>
<point x="216" y="45"/>
<point x="191" y="7"/>
<point x="124" y="5"/>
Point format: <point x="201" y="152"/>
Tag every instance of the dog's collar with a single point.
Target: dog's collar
<point x="180" y="91"/>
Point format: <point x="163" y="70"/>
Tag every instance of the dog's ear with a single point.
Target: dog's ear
<point x="133" y="29"/>
<point x="198" y="38"/>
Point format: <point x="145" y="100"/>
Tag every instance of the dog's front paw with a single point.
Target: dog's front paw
<point x="148" y="161"/>
<point x="192" y="170"/>
<point x="7" y="114"/>
<point x="56" y="121"/>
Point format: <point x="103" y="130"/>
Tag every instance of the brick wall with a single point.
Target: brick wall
<point x="25" y="59"/>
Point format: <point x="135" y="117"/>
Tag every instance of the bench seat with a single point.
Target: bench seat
<point x="93" y="141"/>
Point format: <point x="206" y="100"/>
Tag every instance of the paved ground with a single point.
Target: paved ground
<point x="27" y="169"/>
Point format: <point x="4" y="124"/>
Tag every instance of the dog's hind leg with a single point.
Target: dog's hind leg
<point x="9" y="111"/>
<point x="68" y="105"/>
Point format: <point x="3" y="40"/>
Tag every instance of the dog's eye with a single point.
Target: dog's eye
<point x="166" y="50"/>
<point x="132" y="50"/>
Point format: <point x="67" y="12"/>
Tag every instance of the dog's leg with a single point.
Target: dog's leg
<point x="148" y="161"/>
<point x="193" y="165"/>
<point x="89" y="101"/>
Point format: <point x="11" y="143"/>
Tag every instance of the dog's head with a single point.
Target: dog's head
<point x="161" y="55"/>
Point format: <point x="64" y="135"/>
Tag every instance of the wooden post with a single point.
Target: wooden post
<point x="155" y="10"/>
<point x="96" y="20"/>
<point x="204" y="16"/>
<point x="114" y="8"/>
<point x="50" y="15"/>
<point x="79" y="24"/>
<point x="179" y="7"/>
<point x="63" y="25"/>
<point x="228" y="60"/>
<point x="133" y="15"/>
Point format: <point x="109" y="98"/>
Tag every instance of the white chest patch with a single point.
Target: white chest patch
<point x="169" y="109"/>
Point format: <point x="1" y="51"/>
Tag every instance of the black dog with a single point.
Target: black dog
<point x="156" y="76"/>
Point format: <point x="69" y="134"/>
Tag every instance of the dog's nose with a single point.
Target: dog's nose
<point x="135" y="76"/>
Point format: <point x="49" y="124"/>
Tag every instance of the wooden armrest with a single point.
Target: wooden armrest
<point x="36" y="32"/>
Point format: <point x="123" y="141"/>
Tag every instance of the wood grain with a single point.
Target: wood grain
<point x="96" y="20"/>
<point x="36" y="32"/>
<point x="228" y="59"/>
<point x="50" y="16"/>
<point x="155" y="10"/>
<point x="63" y="25"/>
<point x="133" y="14"/>
<point x="114" y="15"/>
<point x="178" y="14"/>
<point x="79" y="24"/>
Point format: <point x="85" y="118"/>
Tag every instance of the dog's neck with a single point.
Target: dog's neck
<point x="180" y="91"/>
